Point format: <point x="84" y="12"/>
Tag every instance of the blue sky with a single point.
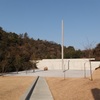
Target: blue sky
<point x="42" y="19"/>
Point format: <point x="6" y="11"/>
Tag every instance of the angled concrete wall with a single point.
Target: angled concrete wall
<point x="71" y="64"/>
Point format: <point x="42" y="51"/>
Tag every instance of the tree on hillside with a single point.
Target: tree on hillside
<point x="17" y="63"/>
<point x="88" y="49"/>
<point x="68" y="53"/>
<point x="96" y="52"/>
<point x="3" y="66"/>
<point x="27" y="66"/>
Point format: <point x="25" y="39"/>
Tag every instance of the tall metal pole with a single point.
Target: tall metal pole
<point x="62" y="45"/>
<point x="63" y="48"/>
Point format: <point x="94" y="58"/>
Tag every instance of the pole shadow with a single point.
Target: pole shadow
<point x="96" y="93"/>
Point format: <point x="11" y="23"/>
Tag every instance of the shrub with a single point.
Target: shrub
<point x="45" y="68"/>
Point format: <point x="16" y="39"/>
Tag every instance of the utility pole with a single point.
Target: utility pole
<point x="63" y="48"/>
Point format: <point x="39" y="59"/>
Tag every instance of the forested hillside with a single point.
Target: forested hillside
<point x="16" y="51"/>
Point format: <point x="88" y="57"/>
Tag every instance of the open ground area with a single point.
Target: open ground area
<point x="75" y="88"/>
<point x="12" y="88"/>
<point x="51" y="73"/>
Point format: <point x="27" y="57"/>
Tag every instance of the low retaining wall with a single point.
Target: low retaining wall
<point x="71" y="64"/>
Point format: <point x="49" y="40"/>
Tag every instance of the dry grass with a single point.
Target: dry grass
<point x="75" y="88"/>
<point x="12" y="88"/>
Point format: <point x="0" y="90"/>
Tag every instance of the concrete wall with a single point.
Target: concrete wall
<point x="71" y="64"/>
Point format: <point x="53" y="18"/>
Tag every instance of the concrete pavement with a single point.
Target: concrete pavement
<point x="52" y="73"/>
<point x="41" y="91"/>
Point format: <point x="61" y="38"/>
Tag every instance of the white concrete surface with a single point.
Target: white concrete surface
<point x="71" y="64"/>
<point x="41" y="91"/>
<point x="52" y="73"/>
<point x="73" y="67"/>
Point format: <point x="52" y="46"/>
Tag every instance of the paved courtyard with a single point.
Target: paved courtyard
<point x="52" y="73"/>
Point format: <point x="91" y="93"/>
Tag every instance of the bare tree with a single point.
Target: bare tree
<point x="89" y="49"/>
<point x="3" y="65"/>
<point x="17" y="63"/>
<point x="34" y="66"/>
